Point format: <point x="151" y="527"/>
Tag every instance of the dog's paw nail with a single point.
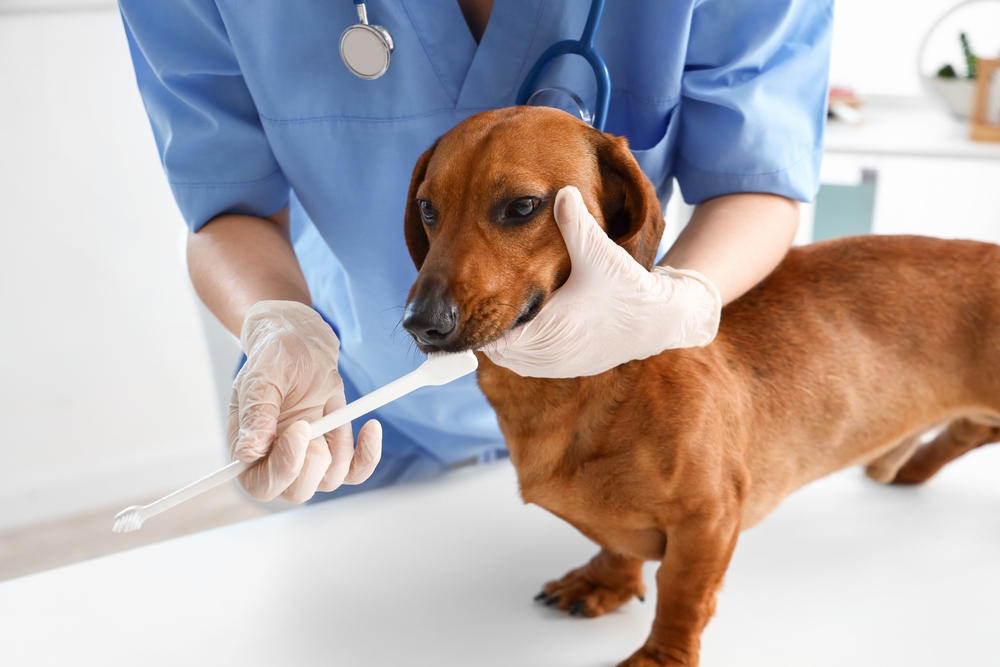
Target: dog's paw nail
<point x="552" y="600"/>
<point x="540" y="596"/>
<point x="577" y="608"/>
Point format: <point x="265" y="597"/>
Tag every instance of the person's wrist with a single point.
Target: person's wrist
<point x="700" y="301"/>
<point x="272" y="310"/>
<point x="711" y="291"/>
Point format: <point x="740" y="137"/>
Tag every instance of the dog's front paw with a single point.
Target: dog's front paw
<point x="647" y="658"/>
<point x="581" y="594"/>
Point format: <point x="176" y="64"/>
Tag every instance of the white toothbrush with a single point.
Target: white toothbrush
<point x="437" y="370"/>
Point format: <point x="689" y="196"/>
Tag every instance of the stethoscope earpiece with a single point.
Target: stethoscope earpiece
<point x="365" y="48"/>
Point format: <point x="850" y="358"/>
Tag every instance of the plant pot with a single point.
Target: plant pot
<point x="956" y="94"/>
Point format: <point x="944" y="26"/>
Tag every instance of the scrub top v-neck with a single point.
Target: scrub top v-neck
<point x="253" y="110"/>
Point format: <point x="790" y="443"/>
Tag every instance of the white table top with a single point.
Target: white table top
<point x="442" y="573"/>
<point x="905" y="126"/>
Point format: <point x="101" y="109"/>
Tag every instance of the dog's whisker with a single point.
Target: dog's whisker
<point x="390" y="308"/>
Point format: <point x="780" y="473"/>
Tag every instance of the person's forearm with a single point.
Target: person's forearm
<point x="736" y="240"/>
<point x="237" y="260"/>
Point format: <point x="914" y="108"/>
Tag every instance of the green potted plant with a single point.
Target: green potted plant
<point x="956" y="91"/>
<point x="954" y="86"/>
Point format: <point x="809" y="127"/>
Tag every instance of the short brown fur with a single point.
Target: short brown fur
<point x="845" y="354"/>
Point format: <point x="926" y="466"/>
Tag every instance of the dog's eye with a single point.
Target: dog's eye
<point x="521" y="208"/>
<point x="427" y="212"/>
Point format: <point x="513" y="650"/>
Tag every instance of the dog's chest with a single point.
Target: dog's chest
<point x="594" y="502"/>
<point x="566" y="465"/>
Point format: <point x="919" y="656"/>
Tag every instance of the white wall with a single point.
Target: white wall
<point x="875" y="42"/>
<point x="105" y="391"/>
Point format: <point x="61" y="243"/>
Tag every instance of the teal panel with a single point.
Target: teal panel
<point x="844" y="210"/>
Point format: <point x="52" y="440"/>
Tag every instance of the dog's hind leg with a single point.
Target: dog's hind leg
<point x="607" y="582"/>
<point x="884" y="468"/>
<point x="960" y="436"/>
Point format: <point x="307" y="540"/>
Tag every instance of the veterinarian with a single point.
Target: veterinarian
<point x="292" y="172"/>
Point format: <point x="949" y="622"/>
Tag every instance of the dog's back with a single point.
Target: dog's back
<point x="855" y="344"/>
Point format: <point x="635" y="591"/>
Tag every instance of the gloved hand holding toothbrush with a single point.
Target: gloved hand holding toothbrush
<point x="290" y="379"/>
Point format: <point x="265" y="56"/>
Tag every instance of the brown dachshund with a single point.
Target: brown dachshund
<point x="846" y="354"/>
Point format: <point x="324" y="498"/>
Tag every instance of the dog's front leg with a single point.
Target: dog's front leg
<point x="687" y="582"/>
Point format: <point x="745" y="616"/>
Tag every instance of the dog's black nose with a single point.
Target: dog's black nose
<point x="431" y="317"/>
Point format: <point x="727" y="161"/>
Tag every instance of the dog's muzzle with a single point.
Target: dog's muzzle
<point x="431" y="316"/>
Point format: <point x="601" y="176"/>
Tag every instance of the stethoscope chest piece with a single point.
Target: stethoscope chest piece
<point x="365" y="48"/>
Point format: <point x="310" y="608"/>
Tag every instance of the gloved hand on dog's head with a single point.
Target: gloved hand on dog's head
<point x="290" y="379"/>
<point x="610" y="310"/>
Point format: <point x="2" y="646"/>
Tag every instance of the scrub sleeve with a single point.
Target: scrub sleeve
<point x="753" y="105"/>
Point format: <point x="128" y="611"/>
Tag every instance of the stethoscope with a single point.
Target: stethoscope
<point x="367" y="49"/>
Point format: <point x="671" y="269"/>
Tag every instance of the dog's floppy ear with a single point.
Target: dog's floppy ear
<point x="629" y="203"/>
<point x="416" y="238"/>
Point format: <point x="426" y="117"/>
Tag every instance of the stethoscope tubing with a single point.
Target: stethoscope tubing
<point x="583" y="47"/>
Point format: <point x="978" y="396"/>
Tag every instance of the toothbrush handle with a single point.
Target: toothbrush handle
<point x="191" y="490"/>
<point x="367" y="403"/>
<point x="437" y="370"/>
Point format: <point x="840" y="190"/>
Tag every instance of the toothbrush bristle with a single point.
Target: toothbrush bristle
<point x="127" y="521"/>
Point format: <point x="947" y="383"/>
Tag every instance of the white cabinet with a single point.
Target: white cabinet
<point x="929" y="179"/>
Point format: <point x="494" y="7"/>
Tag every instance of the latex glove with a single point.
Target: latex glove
<point x="290" y="379"/>
<point x="611" y="310"/>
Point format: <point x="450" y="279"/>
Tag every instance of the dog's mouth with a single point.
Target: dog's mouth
<point x="481" y="329"/>
<point x="530" y="309"/>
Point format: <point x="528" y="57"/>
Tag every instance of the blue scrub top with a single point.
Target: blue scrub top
<point x="252" y="109"/>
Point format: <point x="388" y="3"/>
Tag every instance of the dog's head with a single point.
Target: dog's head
<point x="480" y="226"/>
